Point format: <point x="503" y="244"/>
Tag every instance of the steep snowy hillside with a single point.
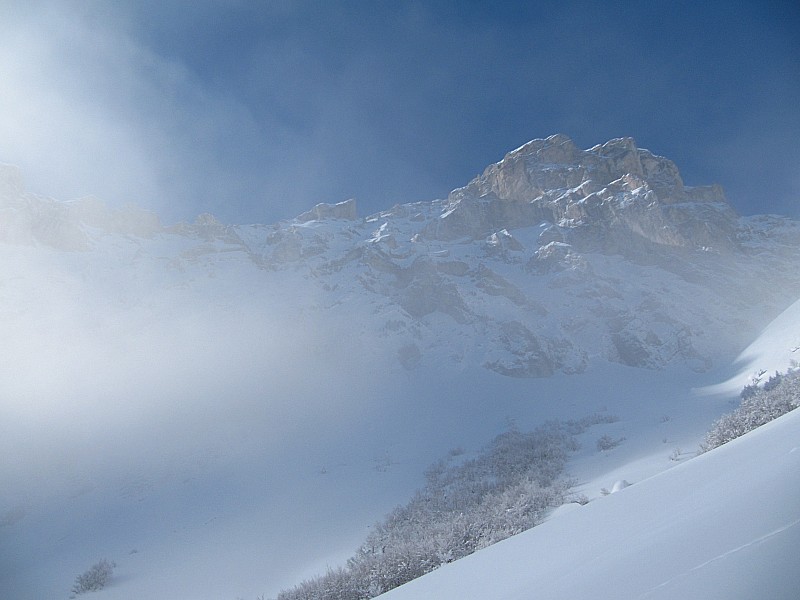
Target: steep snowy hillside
<point x="776" y="350"/>
<point x="225" y="409"/>
<point x="721" y="525"/>
<point x="724" y="525"/>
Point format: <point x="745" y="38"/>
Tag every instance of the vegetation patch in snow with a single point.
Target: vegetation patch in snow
<point x="95" y="578"/>
<point x="759" y="405"/>
<point x="465" y="505"/>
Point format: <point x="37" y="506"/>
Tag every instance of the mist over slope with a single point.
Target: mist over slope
<point x="202" y="392"/>
<point x="722" y="525"/>
<point x="552" y="257"/>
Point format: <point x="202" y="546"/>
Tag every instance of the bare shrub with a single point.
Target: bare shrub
<point x="95" y="578"/>
<point x="606" y="442"/>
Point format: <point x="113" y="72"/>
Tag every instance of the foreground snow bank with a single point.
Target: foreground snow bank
<point x="724" y="525"/>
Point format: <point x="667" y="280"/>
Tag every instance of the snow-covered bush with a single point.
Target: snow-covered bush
<point x="95" y="578"/>
<point x="606" y="442"/>
<point x="466" y="505"/>
<point x="759" y="405"/>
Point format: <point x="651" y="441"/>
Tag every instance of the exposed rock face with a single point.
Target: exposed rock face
<point x="613" y="197"/>
<point x="541" y="167"/>
<point x="528" y="355"/>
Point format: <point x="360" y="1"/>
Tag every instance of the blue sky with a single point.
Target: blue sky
<point x="255" y="111"/>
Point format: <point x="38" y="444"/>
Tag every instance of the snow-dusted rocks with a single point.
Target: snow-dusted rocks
<point x="30" y="219"/>
<point x="552" y="258"/>
<point x="342" y="210"/>
<point x="613" y="197"/>
<point x="542" y="166"/>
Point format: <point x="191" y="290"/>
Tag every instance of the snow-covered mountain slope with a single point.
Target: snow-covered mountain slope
<point x="552" y="258"/>
<point x="237" y="403"/>
<point x="777" y="349"/>
<point x="723" y="525"/>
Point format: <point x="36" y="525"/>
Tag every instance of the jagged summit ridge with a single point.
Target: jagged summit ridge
<point x="619" y="195"/>
<point x="555" y="163"/>
<point x="613" y="197"/>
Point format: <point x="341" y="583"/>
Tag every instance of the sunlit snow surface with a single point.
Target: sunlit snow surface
<point x="725" y="525"/>
<point x="243" y="517"/>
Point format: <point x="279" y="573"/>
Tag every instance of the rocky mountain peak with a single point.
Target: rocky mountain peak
<point x="27" y="218"/>
<point x="612" y="197"/>
<point x="543" y="166"/>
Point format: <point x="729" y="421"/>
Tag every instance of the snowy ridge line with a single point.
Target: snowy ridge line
<point x="774" y="351"/>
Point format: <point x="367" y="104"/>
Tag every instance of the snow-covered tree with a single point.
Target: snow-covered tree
<point x="759" y="405"/>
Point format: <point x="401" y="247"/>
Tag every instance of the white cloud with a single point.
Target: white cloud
<point x="117" y="368"/>
<point x="87" y="109"/>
